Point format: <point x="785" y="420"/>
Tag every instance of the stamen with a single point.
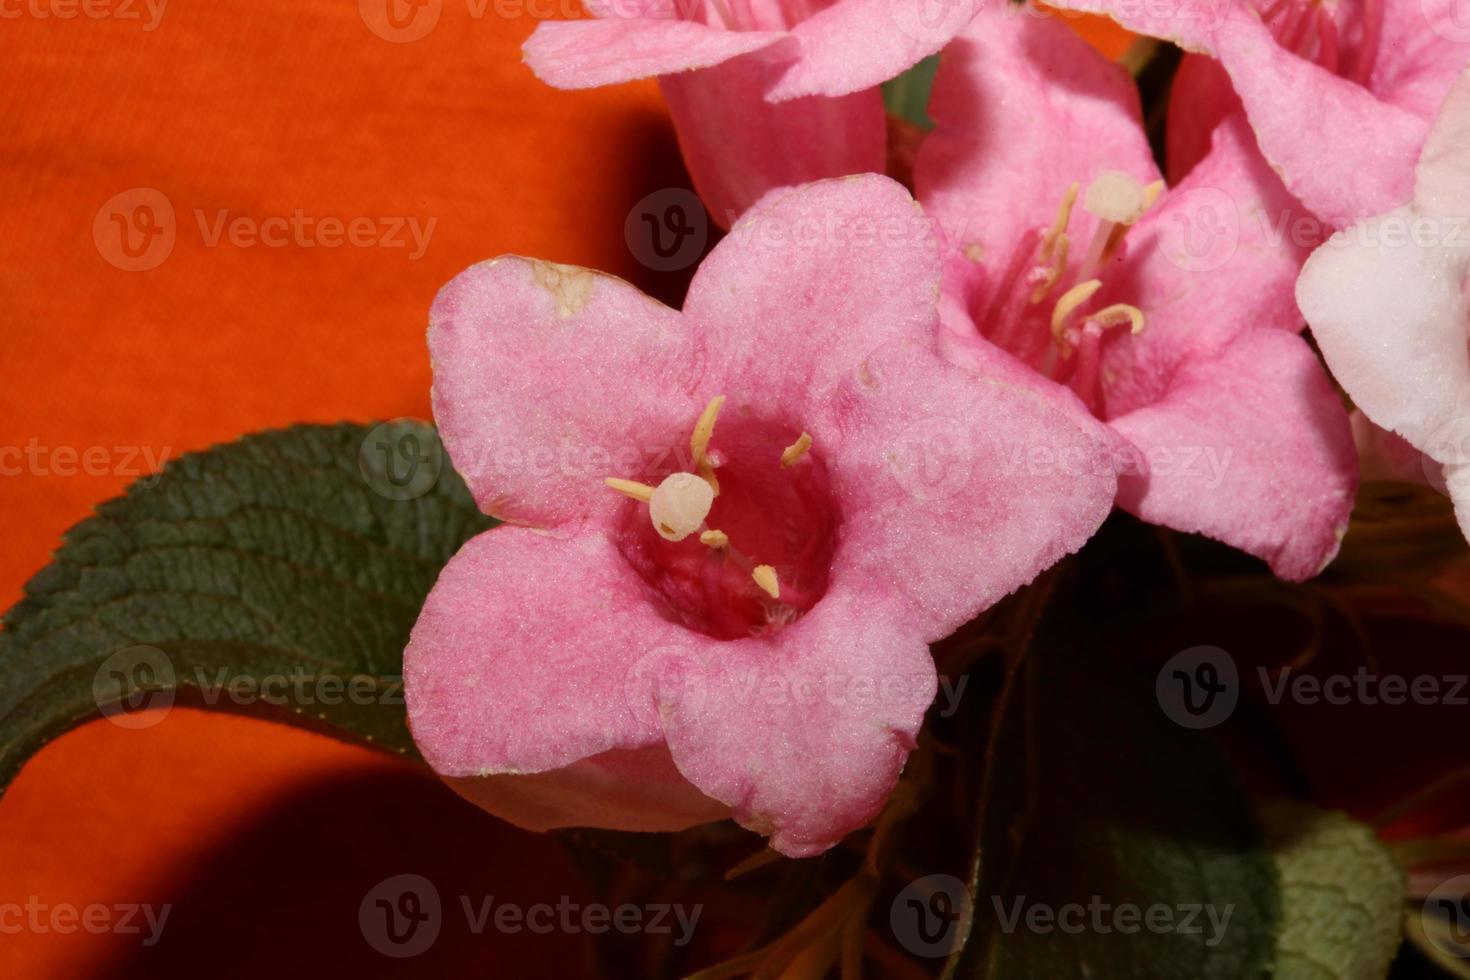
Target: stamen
<point x="765" y="577"/>
<point x="1055" y="243"/>
<point x="1058" y="228"/>
<point x="679" y="506"/>
<point x="1117" y="314"/>
<point x="704" y="428"/>
<point x="631" y="488"/>
<point x="793" y="453"/>
<point x="1151" y="194"/>
<point x="714" y="538"/>
<point x="707" y="474"/>
<point x="1118" y="201"/>
<point x="1372" y="38"/>
<point x="1047" y="277"/>
<point x="1066" y="306"/>
<point x="1328" y="49"/>
<point x="1116" y="197"/>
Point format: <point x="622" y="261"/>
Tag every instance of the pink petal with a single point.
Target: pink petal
<point x="1023" y="107"/>
<point x="1216" y="257"/>
<point x="1442" y="177"/>
<point x="621" y="789"/>
<point x="809" y="283"/>
<point x="548" y="378"/>
<point x="1390" y="320"/>
<point x="1384" y="456"/>
<point x="587" y="53"/>
<point x="857" y="44"/>
<point x="1342" y="150"/>
<point x="1457" y="480"/>
<point x="1253" y="449"/>
<point x="961" y="344"/>
<point x="1188" y="23"/>
<point x="803" y="734"/>
<point x="1422" y="52"/>
<point x="957" y="489"/>
<point x="1200" y="98"/>
<point x="520" y="661"/>
<point x="739" y="147"/>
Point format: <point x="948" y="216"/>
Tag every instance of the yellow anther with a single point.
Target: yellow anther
<point x="1069" y="302"/>
<point x="765" y="577"/>
<point x="1151" y="193"/>
<point x="1054" y="271"/>
<point x="975" y="252"/>
<point x="631" y="488"/>
<point x="707" y="474"/>
<point x="792" y="454"/>
<point x="714" y="539"/>
<point x="704" y="428"/>
<point x="1119" y="313"/>
<point x="1059" y="225"/>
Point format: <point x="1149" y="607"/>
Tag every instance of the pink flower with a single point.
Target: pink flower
<point x="1387" y="303"/>
<point x="765" y="94"/>
<point x="1340" y="95"/>
<point x="759" y="651"/>
<point x="1166" y="313"/>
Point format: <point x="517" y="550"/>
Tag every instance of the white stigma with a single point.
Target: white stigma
<point x="679" y="505"/>
<point x="1115" y="196"/>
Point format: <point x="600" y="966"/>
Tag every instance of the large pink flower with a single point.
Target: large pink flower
<point x="759" y="651"/>
<point x="1386" y="300"/>
<point x="765" y="93"/>
<point x="1167" y="313"/>
<point x="1340" y="95"/>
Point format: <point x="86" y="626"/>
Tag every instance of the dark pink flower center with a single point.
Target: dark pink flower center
<point x="1038" y="309"/>
<point x="769" y="514"/>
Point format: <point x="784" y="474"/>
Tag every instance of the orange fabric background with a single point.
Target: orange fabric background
<point x="262" y="107"/>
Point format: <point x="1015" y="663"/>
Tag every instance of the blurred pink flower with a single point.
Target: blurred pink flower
<point x="1340" y="95"/>
<point x="760" y="650"/>
<point x="1386" y="300"/>
<point x="1166" y="313"/>
<point x="764" y="94"/>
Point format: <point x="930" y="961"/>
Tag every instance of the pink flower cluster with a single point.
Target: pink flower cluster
<point x="880" y="410"/>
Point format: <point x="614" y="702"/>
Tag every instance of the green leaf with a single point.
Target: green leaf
<point x="1098" y="812"/>
<point x="907" y="95"/>
<point x="1342" y="895"/>
<point x="277" y="574"/>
